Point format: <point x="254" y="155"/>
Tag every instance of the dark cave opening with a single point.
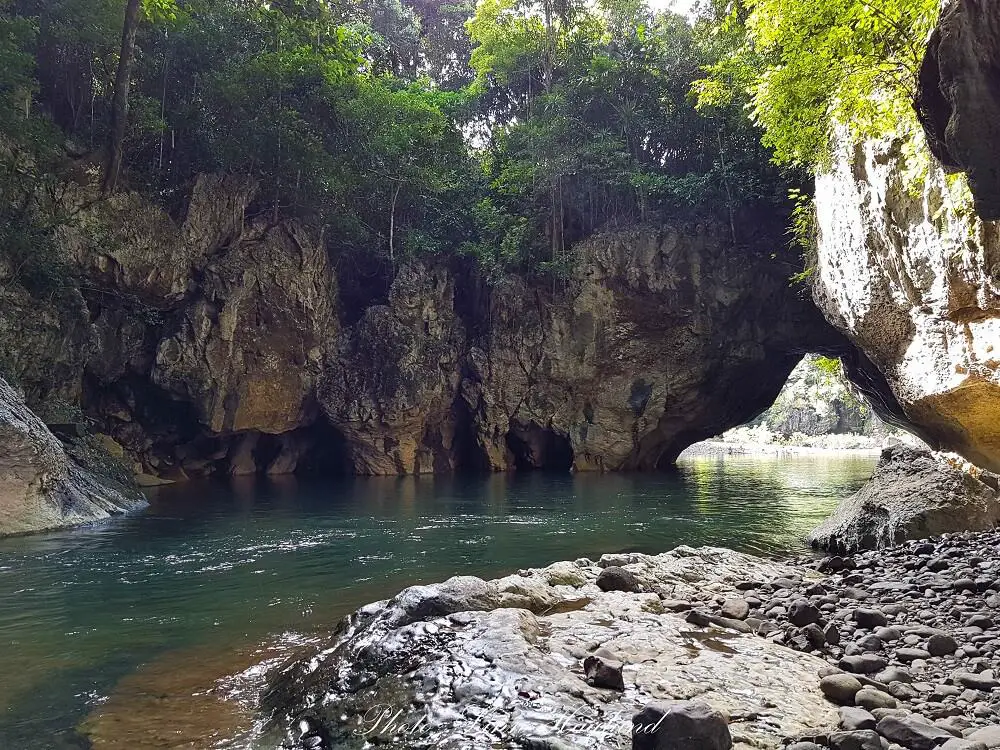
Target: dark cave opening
<point x="537" y="448"/>
<point x="318" y="450"/>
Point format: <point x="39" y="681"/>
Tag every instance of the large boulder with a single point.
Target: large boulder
<point x="40" y="487"/>
<point x="912" y="495"/>
<point x="914" y="282"/>
<point x="503" y="664"/>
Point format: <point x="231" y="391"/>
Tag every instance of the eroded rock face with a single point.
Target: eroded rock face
<point x="659" y="339"/>
<point x="40" y="487"/>
<point x="959" y="97"/>
<point x="249" y="347"/>
<point x="662" y="338"/>
<point x="44" y="343"/>
<point x="912" y="495"/>
<point x="473" y="663"/>
<point x="915" y="284"/>
<point x="130" y="245"/>
<point x="391" y="383"/>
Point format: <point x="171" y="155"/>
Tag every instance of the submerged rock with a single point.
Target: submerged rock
<point x="473" y="672"/>
<point x="40" y="486"/>
<point x="911" y="495"/>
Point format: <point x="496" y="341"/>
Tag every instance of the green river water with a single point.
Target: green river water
<point x="129" y="618"/>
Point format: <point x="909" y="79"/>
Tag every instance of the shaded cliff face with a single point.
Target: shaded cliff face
<point x="393" y="377"/>
<point x="660" y="338"/>
<point x="959" y="97"/>
<point x="914" y="281"/>
<point x="212" y="343"/>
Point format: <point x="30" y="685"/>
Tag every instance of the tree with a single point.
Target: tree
<point x="119" y="99"/>
<point x="156" y="9"/>
<point x="807" y="66"/>
<point x="610" y="134"/>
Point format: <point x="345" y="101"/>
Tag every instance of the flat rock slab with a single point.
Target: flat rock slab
<point x="495" y="675"/>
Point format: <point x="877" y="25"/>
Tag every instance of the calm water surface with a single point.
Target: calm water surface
<point x="213" y="565"/>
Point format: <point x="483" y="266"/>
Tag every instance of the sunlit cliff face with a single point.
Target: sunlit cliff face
<point x="913" y="278"/>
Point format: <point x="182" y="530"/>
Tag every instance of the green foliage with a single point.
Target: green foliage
<point x="808" y="66"/>
<point x="507" y="131"/>
<point x="590" y="123"/>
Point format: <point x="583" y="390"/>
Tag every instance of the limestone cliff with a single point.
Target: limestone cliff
<point x="662" y="337"/>
<point x="212" y="341"/>
<point x="914" y="281"/>
<point x="393" y="377"/>
<point x="40" y="486"/>
<point x="959" y="97"/>
<point x="659" y="338"/>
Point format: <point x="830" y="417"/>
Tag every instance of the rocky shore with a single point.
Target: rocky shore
<point x="692" y="649"/>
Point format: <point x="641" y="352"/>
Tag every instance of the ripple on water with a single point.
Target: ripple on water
<point x="146" y="610"/>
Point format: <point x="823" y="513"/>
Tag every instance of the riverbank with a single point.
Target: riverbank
<point x="564" y="656"/>
<point x="715" y="448"/>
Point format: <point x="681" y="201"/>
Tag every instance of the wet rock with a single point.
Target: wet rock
<point x="617" y="579"/>
<point x="907" y="655"/>
<point x="871" y="699"/>
<point x="863" y="663"/>
<point x="983" y="681"/>
<point x="989" y="736"/>
<point x="960" y="744"/>
<point x="735" y="609"/>
<point x="832" y="634"/>
<point x="802" y="613"/>
<point x="912" y="732"/>
<point x="912" y="494"/>
<point x="858" y="740"/>
<point x="687" y="725"/>
<point x="941" y="644"/>
<point x="840" y="688"/>
<point x="443" y="669"/>
<point x="603" y="673"/>
<point x="853" y="718"/>
<point x="40" y="486"/>
<point x="869" y="618"/>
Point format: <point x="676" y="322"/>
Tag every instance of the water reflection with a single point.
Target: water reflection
<point x="216" y="564"/>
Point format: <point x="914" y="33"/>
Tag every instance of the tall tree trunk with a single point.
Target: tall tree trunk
<point x="119" y="100"/>
<point x="392" y="225"/>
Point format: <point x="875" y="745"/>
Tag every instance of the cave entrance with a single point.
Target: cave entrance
<point x="535" y="448"/>
<point x="318" y="450"/>
<point x="817" y="407"/>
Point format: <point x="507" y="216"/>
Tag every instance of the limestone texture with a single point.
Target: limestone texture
<point x="912" y="494"/>
<point x="40" y="486"/>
